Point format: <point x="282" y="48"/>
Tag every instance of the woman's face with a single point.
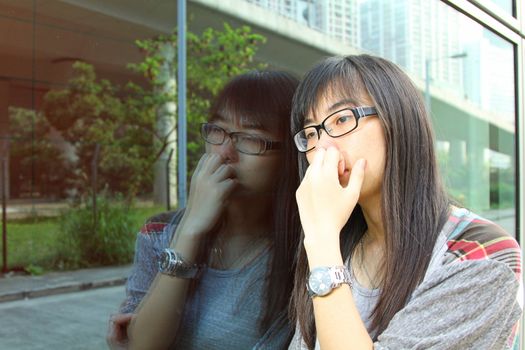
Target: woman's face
<point x="366" y="141"/>
<point x="255" y="174"/>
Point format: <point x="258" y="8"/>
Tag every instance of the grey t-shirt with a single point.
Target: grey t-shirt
<point x="470" y="298"/>
<point x="224" y="310"/>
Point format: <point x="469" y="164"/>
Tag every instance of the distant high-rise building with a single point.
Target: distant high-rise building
<point x="287" y="8"/>
<point x="409" y="32"/>
<point x="336" y="18"/>
<point x="490" y="86"/>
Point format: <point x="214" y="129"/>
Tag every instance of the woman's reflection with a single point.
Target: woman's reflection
<point x="218" y="275"/>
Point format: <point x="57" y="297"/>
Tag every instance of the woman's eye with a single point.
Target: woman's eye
<point x="310" y="134"/>
<point x="342" y="119"/>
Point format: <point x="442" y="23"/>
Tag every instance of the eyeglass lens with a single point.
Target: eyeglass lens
<point x="335" y="125"/>
<point x="243" y="143"/>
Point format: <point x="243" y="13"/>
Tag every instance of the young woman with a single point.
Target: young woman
<point x="225" y="274"/>
<point x="387" y="261"/>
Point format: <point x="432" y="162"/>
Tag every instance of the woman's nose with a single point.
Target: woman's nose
<point x="228" y="151"/>
<point x="325" y="140"/>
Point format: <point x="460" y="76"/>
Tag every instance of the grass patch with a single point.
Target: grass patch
<point x="32" y="243"/>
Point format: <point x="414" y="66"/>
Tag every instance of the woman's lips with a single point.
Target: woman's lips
<point x="341" y="167"/>
<point x="343" y="171"/>
<point x="344" y="177"/>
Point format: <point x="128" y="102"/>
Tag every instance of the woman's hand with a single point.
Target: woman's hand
<point x="211" y="184"/>
<point x="117" y="336"/>
<point x="324" y="204"/>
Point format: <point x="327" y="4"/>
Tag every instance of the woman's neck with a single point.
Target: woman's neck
<point x="247" y="217"/>
<point x="368" y="259"/>
<point x="374" y="219"/>
<point x="247" y="231"/>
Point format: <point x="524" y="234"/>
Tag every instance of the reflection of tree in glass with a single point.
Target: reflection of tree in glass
<point x="502" y="188"/>
<point x="37" y="156"/>
<point x="454" y="176"/>
<point x="122" y="119"/>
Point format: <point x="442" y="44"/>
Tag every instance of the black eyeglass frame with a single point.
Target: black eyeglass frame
<point x="358" y="112"/>
<point x="268" y="145"/>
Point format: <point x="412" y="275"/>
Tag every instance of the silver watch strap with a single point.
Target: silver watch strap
<point x="177" y="266"/>
<point x="337" y="275"/>
<point x="340" y="275"/>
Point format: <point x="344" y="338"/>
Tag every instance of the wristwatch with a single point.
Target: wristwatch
<point x="324" y="279"/>
<point x="173" y="264"/>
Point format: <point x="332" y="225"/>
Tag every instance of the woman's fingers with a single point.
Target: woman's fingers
<point x="357" y="176"/>
<point x="213" y="162"/>
<point x="319" y="155"/>
<point x="227" y="186"/>
<point x="122" y="319"/>
<point x="117" y="336"/>
<point x="224" y="171"/>
<point x="201" y="163"/>
<point x="331" y="162"/>
<point x="316" y="163"/>
<point x="325" y="164"/>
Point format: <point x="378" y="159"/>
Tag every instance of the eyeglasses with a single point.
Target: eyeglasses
<point x="336" y="124"/>
<point x="244" y="143"/>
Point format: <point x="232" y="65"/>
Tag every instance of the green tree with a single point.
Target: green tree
<point x="214" y="57"/>
<point x="33" y="152"/>
<point x="122" y="119"/>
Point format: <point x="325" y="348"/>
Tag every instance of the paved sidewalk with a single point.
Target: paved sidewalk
<point x="22" y="287"/>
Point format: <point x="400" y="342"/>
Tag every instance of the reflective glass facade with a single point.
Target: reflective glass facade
<point x="467" y="58"/>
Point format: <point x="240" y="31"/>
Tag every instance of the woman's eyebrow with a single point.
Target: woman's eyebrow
<point x="255" y="131"/>
<point x="342" y="103"/>
<point x="246" y="128"/>
<point x="334" y="107"/>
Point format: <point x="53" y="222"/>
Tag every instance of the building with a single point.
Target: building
<point x="475" y="51"/>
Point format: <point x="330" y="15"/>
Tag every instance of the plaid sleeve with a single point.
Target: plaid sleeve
<point x="484" y="240"/>
<point x="480" y="239"/>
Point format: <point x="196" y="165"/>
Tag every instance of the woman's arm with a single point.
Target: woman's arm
<point x="159" y="315"/>
<point x="324" y="208"/>
<point x="465" y="305"/>
<point x="337" y="320"/>
<point x="152" y="235"/>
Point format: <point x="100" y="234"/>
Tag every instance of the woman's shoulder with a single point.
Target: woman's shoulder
<point x="471" y="237"/>
<point x="157" y="231"/>
<point x="157" y="223"/>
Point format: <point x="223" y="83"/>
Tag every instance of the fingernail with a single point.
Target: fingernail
<point x="361" y="163"/>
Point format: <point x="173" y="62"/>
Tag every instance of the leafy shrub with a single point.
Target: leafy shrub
<point x="108" y="240"/>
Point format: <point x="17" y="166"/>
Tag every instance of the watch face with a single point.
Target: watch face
<point x="164" y="261"/>
<point x="320" y="281"/>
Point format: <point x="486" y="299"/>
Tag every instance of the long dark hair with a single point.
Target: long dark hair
<point x="263" y="99"/>
<point x="414" y="205"/>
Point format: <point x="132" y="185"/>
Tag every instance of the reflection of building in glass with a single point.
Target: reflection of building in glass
<point x="336" y="18"/>
<point x="409" y="32"/>
<point x="487" y="85"/>
<point x="406" y="31"/>
<point x="286" y="8"/>
<point x="473" y="97"/>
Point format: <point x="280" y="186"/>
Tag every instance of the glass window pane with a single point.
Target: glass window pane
<point x="39" y="43"/>
<point x="473" y="106"/>
<point x="470" y="75"/>
<point x="506" y="6"/>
